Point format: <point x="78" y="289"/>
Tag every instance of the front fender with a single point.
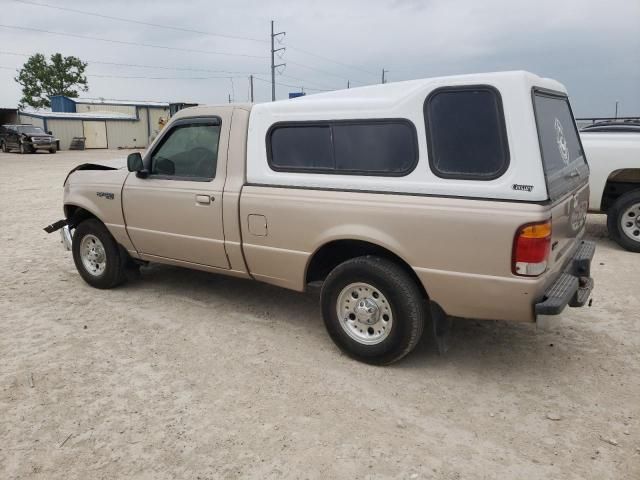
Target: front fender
<point x="99" y="192"/>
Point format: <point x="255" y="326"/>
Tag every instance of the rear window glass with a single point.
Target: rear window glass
<point x="562" y="156"/>
<point x="29" y="129"/>
<point x="365" y="147"/>
<point x="466" y="133"/>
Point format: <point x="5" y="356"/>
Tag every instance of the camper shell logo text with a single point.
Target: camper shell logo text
<point x="562" y="142"/>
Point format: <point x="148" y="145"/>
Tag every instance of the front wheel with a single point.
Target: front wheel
<point x="4" y="147"/>
<point x="99" y="260"/>
<point x="23" y="149"/>
<point x="373" y="309"/>
<point x="623" y="221"/>
<point x="53" y="150"/>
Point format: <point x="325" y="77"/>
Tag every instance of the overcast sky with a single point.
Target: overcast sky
<point x="591" y="46"/>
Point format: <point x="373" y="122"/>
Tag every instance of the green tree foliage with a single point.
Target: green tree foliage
<point x="40" y="79"/>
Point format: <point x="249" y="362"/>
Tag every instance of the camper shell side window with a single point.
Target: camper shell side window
<point x="466" y="133"/>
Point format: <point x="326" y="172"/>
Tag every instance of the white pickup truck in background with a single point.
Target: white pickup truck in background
<point x="613" y="153"/>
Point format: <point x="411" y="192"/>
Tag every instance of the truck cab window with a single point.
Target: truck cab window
<point x="188" y="151"/>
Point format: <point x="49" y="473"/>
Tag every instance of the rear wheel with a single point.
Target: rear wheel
<point x="97" y="256"/>
<point x="373" y="309"/>
<point x="623" y="221"/>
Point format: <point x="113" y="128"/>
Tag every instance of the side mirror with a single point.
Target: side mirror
<point x="50" y="132"/>
<point x="134" y="162"/>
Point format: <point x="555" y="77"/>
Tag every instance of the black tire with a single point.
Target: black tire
<point x="616" y="217"/>
<point x="4" y="147"/>
<point x="53" y="150"/>
<point x="116" y="259"/>
<point x="405" y="298"/>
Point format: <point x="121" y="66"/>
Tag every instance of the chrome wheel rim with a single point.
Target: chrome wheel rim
<point x="93" y="256"/>
<point x="364" y="313"/>
<point x="630" y="222"/>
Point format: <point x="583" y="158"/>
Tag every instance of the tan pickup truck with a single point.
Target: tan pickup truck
<point x="414" y="201"/>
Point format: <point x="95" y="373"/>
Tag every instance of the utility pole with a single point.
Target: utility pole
<point x="348" y="84"/>
<point x="229" y="98"/>
<point x="384" y="80"/>
<point x="273" y="59"/>
<point x="616" y="109"/>
<point x="251" y="87"/>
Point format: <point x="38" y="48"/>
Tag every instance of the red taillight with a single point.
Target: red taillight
<point x="531" y="249"/>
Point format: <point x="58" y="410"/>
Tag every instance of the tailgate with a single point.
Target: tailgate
<point x="568" y="218"/>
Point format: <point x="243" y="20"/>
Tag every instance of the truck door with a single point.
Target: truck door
<point x="176" y="211"/>
<point x="13" y="138"/>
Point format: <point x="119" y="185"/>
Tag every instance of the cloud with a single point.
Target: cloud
<point x="591" y="46"/>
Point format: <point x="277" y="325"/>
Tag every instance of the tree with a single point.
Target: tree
<point x="40" y="79"/>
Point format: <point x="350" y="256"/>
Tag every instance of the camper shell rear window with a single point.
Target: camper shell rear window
<point x="563" y="159"/>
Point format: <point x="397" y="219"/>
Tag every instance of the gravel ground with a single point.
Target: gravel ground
<point x="182" y="374"/>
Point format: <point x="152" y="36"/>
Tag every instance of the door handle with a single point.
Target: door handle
<point x="204" y="199"/>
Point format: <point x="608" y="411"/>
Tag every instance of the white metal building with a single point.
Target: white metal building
<point x="103" y="123"/>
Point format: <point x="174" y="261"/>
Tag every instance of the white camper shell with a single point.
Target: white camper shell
<point x="522" y="178"/>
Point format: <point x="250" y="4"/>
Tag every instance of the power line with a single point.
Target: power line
<point x="306" y="52"/>
<point x="322" y="71"/>
<point x="183" y="29"/>
<point x="189" y="68"/>
<point x="235" y="74"/>
<point x="324" y="87"/>
<point x="255" y="77"/>
<point x="141" y="77"/>
<point x="139" y="22"/>
<point x="137" y="65"/>
<point x="123" y="42"/>
<point x="97" y="75"/>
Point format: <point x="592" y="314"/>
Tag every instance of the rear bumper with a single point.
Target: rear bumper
<point x="573" y="286"/>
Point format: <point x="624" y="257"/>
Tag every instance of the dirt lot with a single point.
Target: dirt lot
<point x="183" y="374"/>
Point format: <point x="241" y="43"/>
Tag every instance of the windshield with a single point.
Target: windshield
<point x="563" y="159"/>
<point x="29" y="129"/>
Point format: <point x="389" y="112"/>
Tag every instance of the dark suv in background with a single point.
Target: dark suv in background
<point x="26" y="138"/>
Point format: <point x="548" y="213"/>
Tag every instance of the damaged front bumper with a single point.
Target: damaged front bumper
<point x="67" y="237"/>
<point x="65" y="232"/>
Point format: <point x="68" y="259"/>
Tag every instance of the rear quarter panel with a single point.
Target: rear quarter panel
<point x="459" y="248"/>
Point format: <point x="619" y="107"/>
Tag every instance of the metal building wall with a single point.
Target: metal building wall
<point x="60" y="103"/>
<point x="38" y="122"/>
<point x="128" y="133"/>
<point x="103" y="107"/>
<point x="64" y="130"/>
